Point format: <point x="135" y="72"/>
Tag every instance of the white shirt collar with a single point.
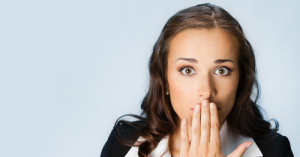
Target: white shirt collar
<point x="229" y="142"/>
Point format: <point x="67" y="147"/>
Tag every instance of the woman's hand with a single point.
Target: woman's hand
<point x="205" y="140"/>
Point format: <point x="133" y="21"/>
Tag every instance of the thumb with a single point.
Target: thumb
<point x="240" y="150"/>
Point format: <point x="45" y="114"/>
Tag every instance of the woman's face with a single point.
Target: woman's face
<point x="202" y="64"/>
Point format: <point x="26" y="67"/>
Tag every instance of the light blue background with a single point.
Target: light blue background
<point x="70" y="68"/>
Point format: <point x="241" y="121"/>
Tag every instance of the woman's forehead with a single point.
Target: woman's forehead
<point x="204" y="44"/>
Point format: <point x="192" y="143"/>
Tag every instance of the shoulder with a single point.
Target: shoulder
<point x="274" y="144"/>
<point x="128" y="131"/>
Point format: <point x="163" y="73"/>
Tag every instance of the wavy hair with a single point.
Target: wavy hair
<point x="158" y="117"/>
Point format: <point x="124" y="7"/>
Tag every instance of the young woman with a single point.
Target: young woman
<point x="202" y="73"/>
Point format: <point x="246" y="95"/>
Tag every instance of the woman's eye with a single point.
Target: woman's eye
<point x="187" y="71"/>
<point x="222" y="71"/>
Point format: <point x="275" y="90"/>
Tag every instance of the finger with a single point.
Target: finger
<point x="240" y="150"/>
<point x="184" y="144"/>
<point x="205" y="124"/>
<point x="214" y="131"/>
<point x="196" y="128"/>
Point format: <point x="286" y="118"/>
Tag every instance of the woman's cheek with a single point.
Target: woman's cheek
<point x="228" y="96"/>
<point x="181" y="94"/>
<point x="180" y="98"/>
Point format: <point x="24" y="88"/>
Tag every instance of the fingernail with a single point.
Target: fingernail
<point x="197" y="108"/>
<point x="212" y="106"/>
<point x="249" y="144"/>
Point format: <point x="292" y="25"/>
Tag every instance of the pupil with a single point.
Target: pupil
<point x="221" y="71"/>
<point x="187" y="71"/>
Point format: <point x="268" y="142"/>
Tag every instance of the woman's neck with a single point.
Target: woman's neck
<point x="174" y="143"/>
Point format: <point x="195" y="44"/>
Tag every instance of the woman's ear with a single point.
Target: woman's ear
<point x="167" y="84"/>
<point x="167" y="89"/>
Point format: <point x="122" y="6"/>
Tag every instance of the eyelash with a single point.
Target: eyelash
<point x="185" y="66"/>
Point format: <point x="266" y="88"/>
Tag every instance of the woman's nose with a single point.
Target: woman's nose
<point x="206" y="87"/>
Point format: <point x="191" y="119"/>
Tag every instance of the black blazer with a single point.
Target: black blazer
<point x="271" y="145"/>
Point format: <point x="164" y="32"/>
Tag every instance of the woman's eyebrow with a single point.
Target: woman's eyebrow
<point x="193" y="60"/>
<point x="218" y="61"/>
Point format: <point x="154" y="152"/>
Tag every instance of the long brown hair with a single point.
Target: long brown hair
<point x="158" y="117"/>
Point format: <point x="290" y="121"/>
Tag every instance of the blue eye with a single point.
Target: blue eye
<point x="187" y="71"/>
<point x="223" y="71"/>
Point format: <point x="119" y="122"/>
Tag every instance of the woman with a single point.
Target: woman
<point x="202" y="73"/>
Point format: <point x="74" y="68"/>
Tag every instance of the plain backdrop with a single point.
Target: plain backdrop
<point x="70" y="68"/>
